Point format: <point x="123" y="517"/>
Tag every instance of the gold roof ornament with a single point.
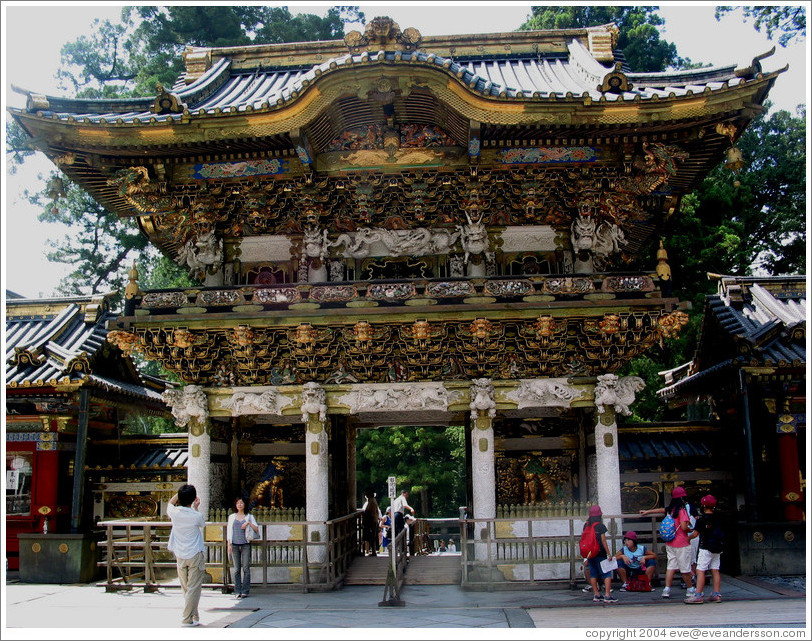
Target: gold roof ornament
<point x="734" y="159"/>
<point x="56" y="188"/>
<point x="166" y="102"/>
<point x="385" y="34"/>
<point x="663" y="268"/>
<point x="132" y="289"/>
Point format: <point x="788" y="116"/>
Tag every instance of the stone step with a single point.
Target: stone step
<point x="422" y="570"/>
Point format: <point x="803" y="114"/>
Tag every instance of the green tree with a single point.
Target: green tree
<point x="751" y="221"/>
<point x="127" y="59"/>
<point x="100" y="244"/>
<point x="789" y="21"/>
<point x="739" y="224"/>
<point x="639" y="33"/>
<point x="427" y="461"/>
<point x="144" y="49"/>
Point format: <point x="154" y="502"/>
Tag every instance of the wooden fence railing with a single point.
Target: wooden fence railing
<point x="308" y="555"/>
<point x="506" y="552"/>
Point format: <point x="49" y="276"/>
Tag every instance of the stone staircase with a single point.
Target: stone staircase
<point x="422" y="570"/>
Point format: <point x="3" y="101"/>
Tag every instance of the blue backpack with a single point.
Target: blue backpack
<point x="668" y="528"/>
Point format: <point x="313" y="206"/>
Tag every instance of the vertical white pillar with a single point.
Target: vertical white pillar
<point x="612" y="395"/>
<point x="483" y="468"/>
<point x="190" y="408"/>
<point x="317" y="489"/>
<point x="483" y="472"/>
<point x="198" y="465"/>
<point x="607" y="462"/>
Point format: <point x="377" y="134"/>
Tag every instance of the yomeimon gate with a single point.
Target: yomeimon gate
<point x="398" y="230"/>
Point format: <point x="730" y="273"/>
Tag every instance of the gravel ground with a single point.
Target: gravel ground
<point x="797" y="583"/>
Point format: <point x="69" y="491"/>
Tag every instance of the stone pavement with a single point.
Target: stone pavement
<point x="62" y="608"/>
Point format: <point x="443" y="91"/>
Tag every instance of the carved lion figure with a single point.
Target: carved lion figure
<point x="482" y="400"/>
<point x="618" y="393"/>
<point x="186" y="404"/>
<point x="313" y="402"/>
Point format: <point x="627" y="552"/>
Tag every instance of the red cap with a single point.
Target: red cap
<point x="679" y="492"/>
<point x="631" y="534"/>
<point x="595" y="510"/>
<point x="708" y="500"/>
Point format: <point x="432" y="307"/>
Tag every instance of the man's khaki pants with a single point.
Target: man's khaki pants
<point x="191" y="573"/>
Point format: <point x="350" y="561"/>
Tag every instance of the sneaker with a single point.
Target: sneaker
<point x="682" y="585"/>
<point x="666" y="593"/>
<point x="623" y="588"/>
<point x="586" y="588"/>
<point x="690" y="592"/>
<point x="716" y="597"/>
<point x="191" y="624"/>
<point x="610" y="599"/>
<point x="244" y="596"/>
<point x="695" y="598"/>
<point x="597" y="599"/>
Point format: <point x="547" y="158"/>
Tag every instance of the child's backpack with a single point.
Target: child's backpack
<point x="639" y="583"/>
<point x="668" y="528"/>
<point x="589" y="545"/>
<point x="715" y="537"/>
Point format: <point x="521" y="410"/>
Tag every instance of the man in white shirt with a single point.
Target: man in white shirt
<point x="398" y="506"/>
<point x="186" y="543"/>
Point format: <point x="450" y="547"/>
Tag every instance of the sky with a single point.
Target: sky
<point x="34" y="33"/>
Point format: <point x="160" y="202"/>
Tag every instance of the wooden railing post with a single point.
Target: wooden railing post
<point x="225" y="565"/>
<point x="149" y="569"/>
<point x="305" y="564"/>
<point x="110" y="553"/>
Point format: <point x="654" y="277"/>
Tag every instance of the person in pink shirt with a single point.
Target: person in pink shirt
<point x="678" y="550"/>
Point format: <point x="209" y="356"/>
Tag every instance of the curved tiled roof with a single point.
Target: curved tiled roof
<point x="223" y="89"/>
<point x="764" y="318"/>
<point x="55" y="341"/>
<point x="641" y="447"/>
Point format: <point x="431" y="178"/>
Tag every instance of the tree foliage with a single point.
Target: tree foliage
<point x="789" y="21"/>
<point x="639" y="36"/>
<point x="750" y="222"/>
<point x="429" y="462"/>
<point x="145" y="48"/>
<point x="127" y="59"/>
<point x="97" y="248"/>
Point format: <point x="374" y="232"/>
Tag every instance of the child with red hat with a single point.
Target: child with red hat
<point x="594" y="561"/>
<point x="711" y="541"/>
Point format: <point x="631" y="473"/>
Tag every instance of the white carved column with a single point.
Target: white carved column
<point x="612" y="396"/>
<point x="483" y="469"/>
<point x="198" y="465"/>
<point x="190" y="408"/>
<point x="314" y="416"/>
<point x="483" y="462"/>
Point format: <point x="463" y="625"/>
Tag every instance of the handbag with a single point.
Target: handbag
<point x="639" y="583"/>
<point x="250" y="535"/>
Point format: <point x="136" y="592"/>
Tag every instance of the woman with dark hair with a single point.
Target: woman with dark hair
<point x="370" y="521"/>
<point x="242" y="528"/>
<point x="677" y="550"/>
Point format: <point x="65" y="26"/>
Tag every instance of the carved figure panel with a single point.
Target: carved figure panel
<point x="187" y="404"/>
<point x="532" y="478"/>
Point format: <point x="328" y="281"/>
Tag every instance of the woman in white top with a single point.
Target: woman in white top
<point x="242" y="528"/>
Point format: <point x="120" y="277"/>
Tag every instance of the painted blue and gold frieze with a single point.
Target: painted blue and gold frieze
<point x="547" y="155"/>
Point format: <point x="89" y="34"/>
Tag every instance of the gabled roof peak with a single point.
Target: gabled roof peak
<point x="382" y="33"/>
